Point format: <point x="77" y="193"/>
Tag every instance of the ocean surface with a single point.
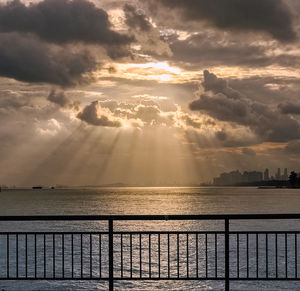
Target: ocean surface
<point x="164" y="201"/>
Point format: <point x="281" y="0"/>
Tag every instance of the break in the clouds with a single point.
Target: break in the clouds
<point x="271" y="16"/>
<point x="141" y="113"/>
<point x="147" y="36"/>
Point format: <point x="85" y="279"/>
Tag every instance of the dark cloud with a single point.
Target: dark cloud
<point x="191" y="121"/>
<point x="293" y="147"/>
<point x="220" y="139"/>
<point x="289" y="108"/>
<point x="213" y="48"/>
<point x="235" y="137"/>
<point x="202" y="50"/>
<point x="136" y="20"/>
<point x="58" y="98"/>
<point x="271" y="16"/>
<point x="248" y="152"/>
<point x="146" y="35"/>
<point x="221" y="135"/>
<point x="26" y="59"/>
<point x="90" y="115"/>
<point x="36" y="41"/>
<point x="218" y="85"/>
<point x="61" y="21"/>
<point x="266" y="123"/>
<point x="266" y="89"/>
<point x="221" y="107"/>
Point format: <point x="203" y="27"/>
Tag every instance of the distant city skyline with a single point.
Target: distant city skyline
<point x="239" y="177"/>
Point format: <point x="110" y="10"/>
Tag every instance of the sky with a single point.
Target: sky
<point x="147" y="92"/>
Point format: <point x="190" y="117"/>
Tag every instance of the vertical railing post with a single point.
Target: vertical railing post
<point x="226" y="254"/>
<point x="111" y="254"/>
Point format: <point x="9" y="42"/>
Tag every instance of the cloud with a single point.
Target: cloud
<point x="90" y="115"/>
<point x="209" y="49"/>
<point x="147" y="36"/>
<point x="248" y="152"/>
<point x="58" y="98"/>
<point x="293" y="147"/>
<point x="218" y="85"/>
<point x="59" y="42"/>
<point x="271" y="16"/>
<point x="109" y="104"/>
<point x="136" y="20"/>
<point x="212" y="48"/>
<point x="289" y="108"/>
<point x="212" y="138"/>
<point x="231" y="137"/>
<point x="61" y="21"/>
<point x="10" y="99"/>
<point x="49" y="128"/>
<point x="29" y="60"/>
<point x="148" y="113"/>
<point x="229" y="105"/>
<point x="222" y="108"/>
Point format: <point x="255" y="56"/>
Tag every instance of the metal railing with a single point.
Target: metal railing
<point x="150" y="255"/>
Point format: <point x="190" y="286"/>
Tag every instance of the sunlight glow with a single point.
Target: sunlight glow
<point x="163" y="72"/>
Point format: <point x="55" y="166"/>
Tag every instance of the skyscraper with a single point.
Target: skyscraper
<point x="285" y="175"/>
<point x="266" y="175"/>
<point x="278" y="174"/>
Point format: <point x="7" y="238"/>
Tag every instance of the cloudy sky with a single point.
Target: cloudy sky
<point x="148" y="92"/>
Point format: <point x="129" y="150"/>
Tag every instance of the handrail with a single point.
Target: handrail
<point x="226" y="236"/>
<point x="150" y="217"/>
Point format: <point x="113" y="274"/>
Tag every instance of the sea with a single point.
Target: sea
<point x="149" y="201"/>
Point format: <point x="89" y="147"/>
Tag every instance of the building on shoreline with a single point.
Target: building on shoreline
<point x="236" y="177"/>
<point x="249" y="177"/>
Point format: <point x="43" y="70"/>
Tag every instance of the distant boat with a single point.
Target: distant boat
<point x="37" y="187"/>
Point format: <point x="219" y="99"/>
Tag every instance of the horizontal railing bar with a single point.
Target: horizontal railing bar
<point x="54" y="279"/>
<point x="115" y="279"/>
<point x="49" y="233"/>
<point x="149" y="232"/>
<point x="203" y="278"/>
<point x="146" y="232"/>
<point x="148" y="279"/>
<point x="263" y="279"/>
<point x="265" y="232"/>
<point x="168" y="279"/>
<point x="145" y="279"/>
<point x="205" y="232"/>
<point x="167" y="232"/>
<point x="151" y="217"/>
